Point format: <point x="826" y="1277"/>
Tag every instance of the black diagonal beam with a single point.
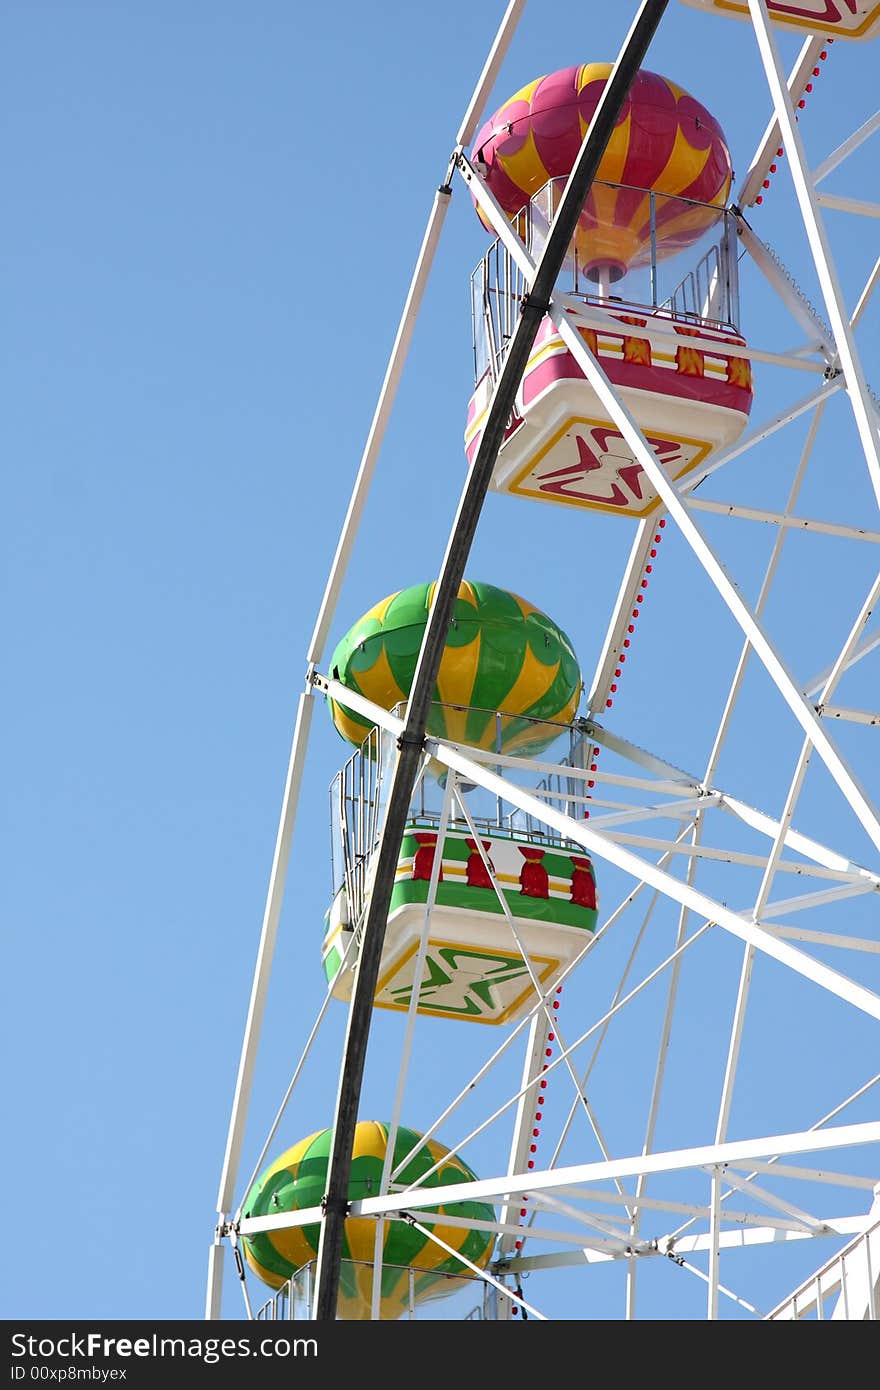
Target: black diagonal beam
<point x="412" y="739"/>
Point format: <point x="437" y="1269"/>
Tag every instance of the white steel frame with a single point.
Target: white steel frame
<point x="651" y="792"/>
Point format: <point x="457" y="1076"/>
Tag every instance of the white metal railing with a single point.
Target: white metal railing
<point x="357" y="792"/>
<point x="851" y="1280"/>
<point x="707" y="294"/>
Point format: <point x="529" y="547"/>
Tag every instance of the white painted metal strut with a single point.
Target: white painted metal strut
<point x="788" y="523"/>
<point x="853" y="716"/>
<point x="844" y="150"/>
<point x="791" y="296"/>
<point x="766" y="153"/>
<point x="862" y="649"/>
<point x="265" y="953"/>
<point x="870" y="285"/>
<point x="739" y="1151"/>
<point x="745" y="1237"/>
<point x="839" y="203"/>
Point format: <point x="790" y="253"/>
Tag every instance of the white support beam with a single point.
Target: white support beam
<point x="792" y="523"/>
<point x="670" y="810"/>
<point x="730" y="856"/>
<point x="738" y="1151"/>
<point x="837" y="670"/>
<point x="844" y="150"/>
<point x="802" y="1218"/>
<point x="699" y="1210"/>
<point x="862" y="649"/>
<point x="766" y="153"/>
<point x="265" y="953"/>
<point x="791" y="295"/>
<point x="852" y="716"/>
<point x="791" y="1170"/>
<point x="799" y="843"/>
<point x="745" y="1238"/>
<point x="492" y="66"/>
<point x="640" y="756"/>
<point x="805" y="901"/>
<point x="214" y="1295"/>
<point x="870" y="286"/>
<point x="841" y="204"/>
<point x="823" y="938"/>
<point x="607" y="1227"/>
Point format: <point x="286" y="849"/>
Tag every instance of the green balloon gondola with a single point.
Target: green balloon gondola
<point x="501" y="654"/>
<point x="411" y="1262"/>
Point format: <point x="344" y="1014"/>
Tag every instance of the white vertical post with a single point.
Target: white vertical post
<point x="265" y="953"/>
<point x="715" y="1244"/>
<point x="214" y="1298"/>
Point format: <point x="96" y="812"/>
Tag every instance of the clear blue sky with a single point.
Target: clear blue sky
<point x="211" y="215"/>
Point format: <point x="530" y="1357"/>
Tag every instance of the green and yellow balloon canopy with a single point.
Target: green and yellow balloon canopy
<point x="298" y="1179"/>
<point x="501" y="654"/>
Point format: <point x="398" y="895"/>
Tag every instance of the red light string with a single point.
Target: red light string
<point x="801" y="104"/>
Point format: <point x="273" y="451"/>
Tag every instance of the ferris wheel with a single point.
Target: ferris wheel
<point x="610" y="894"/>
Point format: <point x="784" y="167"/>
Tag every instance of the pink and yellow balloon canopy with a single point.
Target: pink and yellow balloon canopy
<point x="664" y="141"/>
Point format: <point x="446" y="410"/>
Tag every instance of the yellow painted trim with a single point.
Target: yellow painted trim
<point x="549" y="962"/>
<point x="805" y="23"/>
<point x="516" y="490"/>
<point x="555" y="347"/>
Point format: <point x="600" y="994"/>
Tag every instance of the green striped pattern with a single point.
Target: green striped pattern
<point x="501" y="654"/>
<point x="298" y="1180"/>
